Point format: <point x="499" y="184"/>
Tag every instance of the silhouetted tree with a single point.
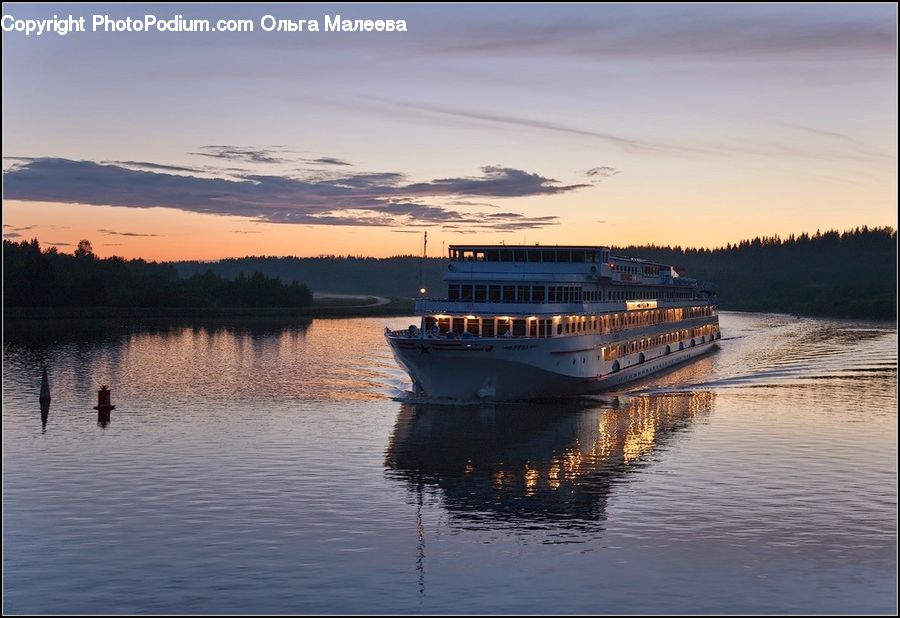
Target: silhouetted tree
<point x="84" y="250"/>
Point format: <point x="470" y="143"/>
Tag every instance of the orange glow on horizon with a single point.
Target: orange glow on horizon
<point x="163" y="234"/>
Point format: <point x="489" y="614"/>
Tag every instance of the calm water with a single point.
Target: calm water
<point x="274" y="467"/>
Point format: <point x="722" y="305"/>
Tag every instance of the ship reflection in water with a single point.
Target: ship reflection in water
<point x="549" y="465"/>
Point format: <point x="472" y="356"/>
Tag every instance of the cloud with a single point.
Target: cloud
<point x="113" y="233"/>
<point x="60" y="244"/>
<point x="11" y="235"/>
<point x="328" y="161"/>
<point x="271" y="154"/>
<point x="368" y="199"/>
<point x="154" y="166"/>
<point x="835" y="149"/>
<point x="602" y="172"/>
<point x="495" y="182"/>
<point x="629" y="144"/>
<point x="715" y="33"/>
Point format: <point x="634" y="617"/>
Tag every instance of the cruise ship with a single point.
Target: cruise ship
<point x="528" y="322"/>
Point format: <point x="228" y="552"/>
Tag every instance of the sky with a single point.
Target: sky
<point x="692" y="125"/>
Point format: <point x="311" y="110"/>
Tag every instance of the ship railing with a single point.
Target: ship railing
<point x="616" y="333"/>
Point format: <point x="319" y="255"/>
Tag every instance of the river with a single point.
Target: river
<point x="279" y="467"/>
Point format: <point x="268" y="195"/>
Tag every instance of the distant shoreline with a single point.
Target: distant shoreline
<point x="396" y="307"/>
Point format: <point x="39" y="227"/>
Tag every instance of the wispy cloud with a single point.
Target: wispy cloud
<point x="368" y="199"/>
<point x="114" y="233"/>
<point x="629" y="144"/>
<point x="11" y="235"/>
<point x="154" y="166"/>
<point x="716" y="33"/>
<point x="329" y="161"/>
<point x="602" y="172"/>
<point x="272" y="154"/>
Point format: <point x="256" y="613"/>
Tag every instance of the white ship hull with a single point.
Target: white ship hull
<point x="509" y="369"/>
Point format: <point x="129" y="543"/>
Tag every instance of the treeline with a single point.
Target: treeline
<point x="849" y="274"/>
<point x="396" y="277"/>
<point x="35" y="278"/>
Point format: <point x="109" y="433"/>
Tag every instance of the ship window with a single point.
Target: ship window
<point x="458" y="325"/>
<point x="429" y="323"/>
<point x="453" y="292"/>
<point x="551" y="294"/>
<point x="534" y="255"/>
<point x="509" y="293"/>
<point x="590" y="256"/>
<point x="492" y="255"/>
<point x="479" y="256"/>
<point x="487" y="328"/>
<point x="523" y="294"/>
<point x="494" y="293"/>
<point x="537" y="294"/>
<point x="567" y="327"/>
<point x="480" y="293"/>
<point x="519" y="255"/>
<point x="548" y="256"/>
<point x="506" y="255"/>
<point x="563" y="256"/>
<point x="518" y="328"/>
<point x="578" y="256"/>
<point x="559" y="329"/>
<point x="472" y="326"/>
<point x="468" y="255"/>
<point x="444" y="324"/>
<point x="466" y="292"/>
<point x="532" y="328"/>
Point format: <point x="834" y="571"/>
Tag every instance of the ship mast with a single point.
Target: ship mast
<point x="422" y="289"/>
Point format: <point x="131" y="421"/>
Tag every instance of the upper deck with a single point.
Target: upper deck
<point x="556" y="263"/>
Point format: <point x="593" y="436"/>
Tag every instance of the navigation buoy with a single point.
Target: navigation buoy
<point x="103" y="406"/>
<point x="103" y="396"/>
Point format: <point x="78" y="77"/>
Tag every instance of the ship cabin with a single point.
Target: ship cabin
<point x="549" y="291"/>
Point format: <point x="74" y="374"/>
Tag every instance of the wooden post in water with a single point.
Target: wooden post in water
<point x="45" y="387"/>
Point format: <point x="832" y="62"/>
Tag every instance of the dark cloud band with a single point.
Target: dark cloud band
<point x="371" y="199"/>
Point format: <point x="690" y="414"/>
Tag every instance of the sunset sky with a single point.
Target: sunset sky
<point x="580" y="124"/>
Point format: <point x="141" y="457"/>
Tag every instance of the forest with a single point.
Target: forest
<point x="849" y="274"/>
<point x="836" y="274"/>
<point x="36" y="278"/>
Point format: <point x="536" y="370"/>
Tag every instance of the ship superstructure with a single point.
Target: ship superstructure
<point x="520" y="322"/>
